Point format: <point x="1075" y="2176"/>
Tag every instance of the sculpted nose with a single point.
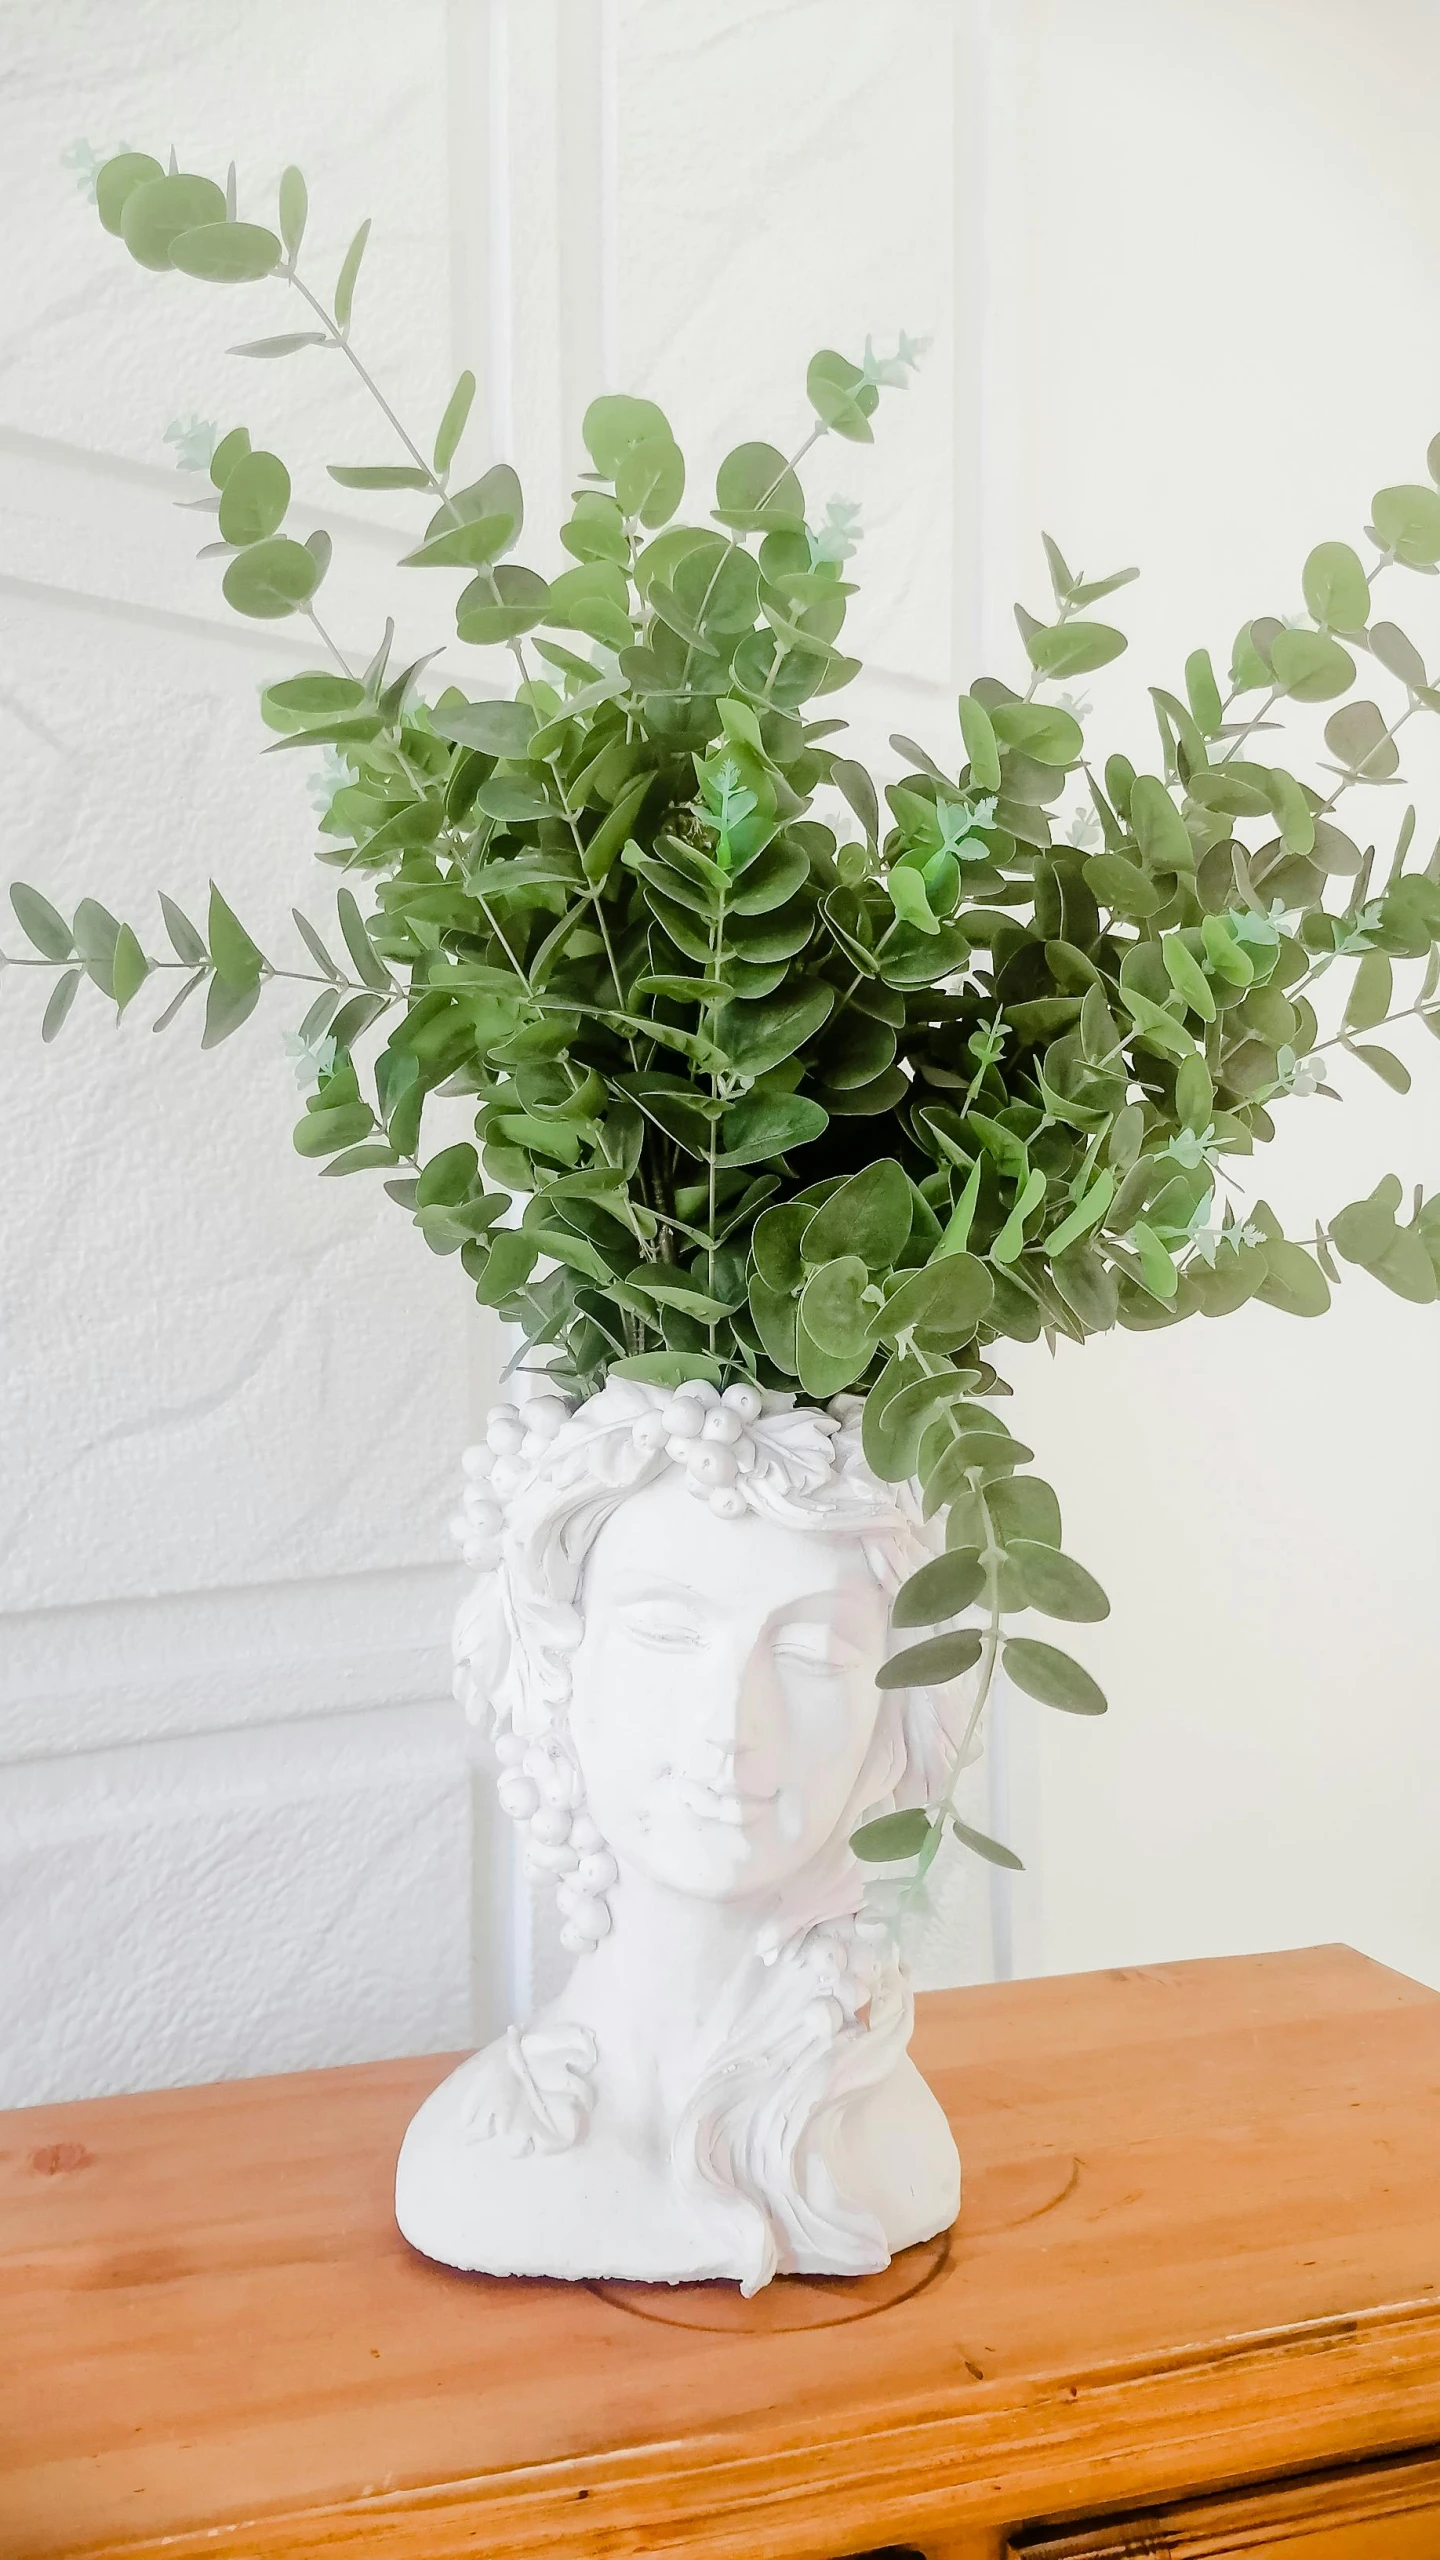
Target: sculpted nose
<point x="751" y="1703"/>
<point x="734" y="1705"/>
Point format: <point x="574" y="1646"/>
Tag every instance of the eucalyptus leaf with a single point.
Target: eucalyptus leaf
<point x="980" y="1844"/>
<point x="892" y="1836"/>
<point x="154" y="213"/>
<point x="452" y="425"/>
<point x="41" y="923"/>
<point x="62" y="996"/>
<point x="929" y="1665"/>
<point x="944" y="1588"/>
<point x="1054" y="1583"/>
<point x="349" y="271"/>
<point x="271" y="579"/>
<point x="1044" y="1672"/>
<point x="227" y="252"/>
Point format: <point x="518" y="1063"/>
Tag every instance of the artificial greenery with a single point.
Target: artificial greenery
<point x="832" y="1101"/>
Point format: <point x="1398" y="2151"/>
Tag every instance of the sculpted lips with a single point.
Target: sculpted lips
<point x="719" y="1804"/>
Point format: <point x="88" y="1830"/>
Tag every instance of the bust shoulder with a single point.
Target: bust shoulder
<point x="508" y="2170"/>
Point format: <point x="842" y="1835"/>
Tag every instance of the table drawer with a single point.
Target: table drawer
<point x="1369" y="2511"/>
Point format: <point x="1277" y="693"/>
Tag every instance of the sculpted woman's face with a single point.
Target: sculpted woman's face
<point x="724" y="1690"/>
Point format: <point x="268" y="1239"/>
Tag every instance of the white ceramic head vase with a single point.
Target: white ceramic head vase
<point x="683" y="1604"/>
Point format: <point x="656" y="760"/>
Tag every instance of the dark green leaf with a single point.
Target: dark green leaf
<point x="361" y="1159"/>
<point x="833" y="1310"/>
<point x="316" y="947"/>
<point x="452" y="425"/>
<point x="1310" y="666"/>
<point x="226" y="252"/>
<point x="948" y="1297"/>
<point x="1055" y="1583"/>
<point x="929" y="1665"/>
<point x="994" y="1852"/>
<point x="322" y="1132"/>
<point x="944" y="1588"/>
<point x="96" y="934"/>
<point x="497" y="728"/>
<point x="756" y="490"/>
<point x="271" y="579"/>
<point x="666" y="1368"/>
<point x="315" y="697"/>
<point x="650" y="480"/>
<point x="1040" y="730"/>
<point x="757" y="1037"/>
<point x="894" y="1424"/>
<point x="471" y="545"/>
<point x="1121" y="886"/>
<point x="62" y="994"/>
<point x="238" y="961"/>
<point x="1370" y="994"/>
<point x="287" y="344"/>
<point x="1294" y="1281"/>
<point x="41" y="923"/>
<point x="1384" y="1064"/>
<point x="368" y="962"/>
<point x="227" y="453"/>
<point x="981" y="744"/>
<point x="614" y="424"/>
<point x="870" y="1215"/>
<point x="155" y="212"/>
<point x="892" y="1836"/>
<point x="294" y="207"/>
<point x="500" y="605"/>
<point x="129" y="967"/>
<point x="164" y="1019"/>
<point x="766" y="1125"/>
<point x="345" y="281"/>
<point x="379" y="475"/>
<point x="1406" y="522"/>
<point x="1073" y="648"/>
<point x="1023" y="1507"/>
<point x="1043" y="1672"/>
<point x="226" y="1007"/>
<point x="254" y="498"/>
<point x="1337" y="590"/>
<point x="117" y="180"/>
<point x="841" y="397"/>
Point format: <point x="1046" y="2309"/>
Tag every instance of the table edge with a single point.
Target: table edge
<point x="992" y="2455"/>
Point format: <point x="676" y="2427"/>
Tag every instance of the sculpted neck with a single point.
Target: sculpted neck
<point x="655" y="1990"/>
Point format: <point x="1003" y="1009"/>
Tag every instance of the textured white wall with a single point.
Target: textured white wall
<point x="1180" y="271"/>
<point x="235" y="1808"/>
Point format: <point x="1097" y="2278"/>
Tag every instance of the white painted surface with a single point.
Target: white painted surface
<point x="1180" y="267"/>
<point x="235" y="1806"/>
<point x="1212" y="298"/>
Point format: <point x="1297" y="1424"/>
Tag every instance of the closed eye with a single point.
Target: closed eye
<point x="666" y="1635"/>
<point x="824" y="1661"/>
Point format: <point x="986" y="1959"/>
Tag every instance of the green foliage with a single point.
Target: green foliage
<point x="792" y="1079"/>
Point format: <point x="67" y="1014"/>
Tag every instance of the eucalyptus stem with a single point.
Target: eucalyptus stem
<point x="1417" y="1012"/>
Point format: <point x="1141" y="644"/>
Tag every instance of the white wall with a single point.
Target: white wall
<point x="1213" y="270"/>
<point x="1179" y="269"/>
<point x="235" y="1809"/>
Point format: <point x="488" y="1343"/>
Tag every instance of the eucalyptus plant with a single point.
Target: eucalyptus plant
<point x="776" y="1077"/>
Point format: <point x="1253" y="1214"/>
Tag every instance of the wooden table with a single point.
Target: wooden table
<point x="1200" y="2247"/>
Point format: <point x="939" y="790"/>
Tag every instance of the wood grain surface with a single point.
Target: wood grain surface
<point x="1199" y="2245"/>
